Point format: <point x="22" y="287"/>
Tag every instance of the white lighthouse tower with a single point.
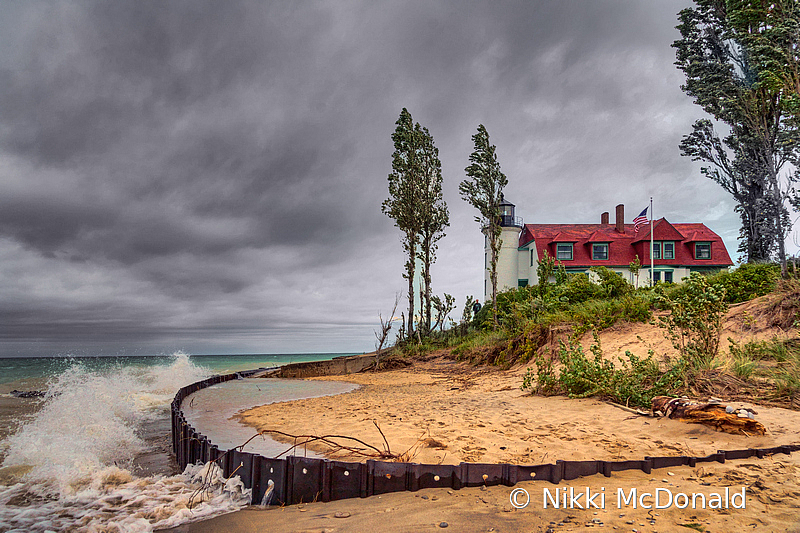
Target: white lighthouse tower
<point x="507" y="263"/>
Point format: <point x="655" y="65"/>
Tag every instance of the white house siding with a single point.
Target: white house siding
<point x="525" y="270"/>
<point x="523" y="260"/>
<point x="678" y="273"/>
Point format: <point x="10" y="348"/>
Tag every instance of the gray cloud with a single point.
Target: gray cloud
<point x="208" y="176"/>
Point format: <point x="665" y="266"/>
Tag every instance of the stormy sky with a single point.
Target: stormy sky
<point x="207" y="176"/>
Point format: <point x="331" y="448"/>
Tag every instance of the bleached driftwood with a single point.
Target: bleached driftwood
<point x="714" y="414"/>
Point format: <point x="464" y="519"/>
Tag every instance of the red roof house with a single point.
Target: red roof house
<point x="678" y="249"/>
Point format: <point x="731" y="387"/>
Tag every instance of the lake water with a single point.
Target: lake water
<point x="68" y="465"/>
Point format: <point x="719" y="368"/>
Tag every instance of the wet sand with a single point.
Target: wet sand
<point x="159" y="459"/>
<point x="16" y="411"/>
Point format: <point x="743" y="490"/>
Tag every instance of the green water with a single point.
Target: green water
<point x="35" y="368"/>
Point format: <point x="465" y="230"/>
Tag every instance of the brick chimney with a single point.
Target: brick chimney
<point x="604" y="218"/>
<point x="620" y="218"/>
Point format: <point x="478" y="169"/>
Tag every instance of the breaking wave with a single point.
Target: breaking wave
<point x="70" y="465"/>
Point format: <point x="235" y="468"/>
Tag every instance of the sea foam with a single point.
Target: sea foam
<point x="78" y="449"/>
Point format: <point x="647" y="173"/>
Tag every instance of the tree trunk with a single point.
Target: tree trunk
<point x="410" y="270"/>
<point x="777" y="200"/>
<point x="427" y="280"/>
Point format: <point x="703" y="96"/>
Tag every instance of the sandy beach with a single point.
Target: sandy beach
<point x="443" y="411"/>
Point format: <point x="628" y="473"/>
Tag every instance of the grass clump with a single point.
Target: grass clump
<point x="602" y="314"/>
<point x="786" y="377"/>
<point x="774" y="363"/>
<point x="476" y="341"/>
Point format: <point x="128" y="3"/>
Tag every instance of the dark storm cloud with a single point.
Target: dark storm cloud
<point x="189" y="110"/>
<point x="209" y="174"/>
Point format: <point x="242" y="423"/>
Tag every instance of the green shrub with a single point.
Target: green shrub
<point x="612" y="284"/>
<point x="545" y="269"/>
<point x="578" y="288"/>
<point x="694" y="324"/>
<point x="747" y="281"/>
<point x="601" y="314"/>
<point x="637" y="308"/>
<point x="634" y="382"/>
<point x="544" y="380"/>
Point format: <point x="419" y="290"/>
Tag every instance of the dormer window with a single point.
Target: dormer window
<point x="600" y="251"/>
<point x="668" y="248"/>
<point x="564" y="251"/>
<point x="702" y="250"/>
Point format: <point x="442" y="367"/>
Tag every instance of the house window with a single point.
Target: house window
<point x="656" y="276"/>
<point x="702" y="250"/>
<point x="532" y="257"/>
<point x="564" y="251"/>
<point x="600" y="252"/>
<point x="669" y="250"/>
<point x="668" y="276"/>
<point x="522" y="283"/>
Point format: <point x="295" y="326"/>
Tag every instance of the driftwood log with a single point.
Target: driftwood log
<point x="714" y="414"/>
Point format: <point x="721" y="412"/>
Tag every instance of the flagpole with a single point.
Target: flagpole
<point x="652" y="259"/>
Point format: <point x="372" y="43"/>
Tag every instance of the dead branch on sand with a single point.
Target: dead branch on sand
<point x="333" y="442"/>
<point x="714" y="414"/>
<point x="336" y="443"/>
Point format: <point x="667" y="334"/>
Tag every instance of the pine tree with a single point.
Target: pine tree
<point x="484" y="192"/>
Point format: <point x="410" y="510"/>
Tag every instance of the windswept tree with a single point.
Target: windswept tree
<point x="433" y="214"/>
<point x="402" y="204"/>
<point x="416" y="204"/>
<point x="743" y="178"/>
<point x="484" y="190"/>
<point x="770" y="31"/>
<point x="740" y="62"/>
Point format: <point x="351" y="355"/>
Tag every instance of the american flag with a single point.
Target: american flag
<point x="640" y="220"/>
